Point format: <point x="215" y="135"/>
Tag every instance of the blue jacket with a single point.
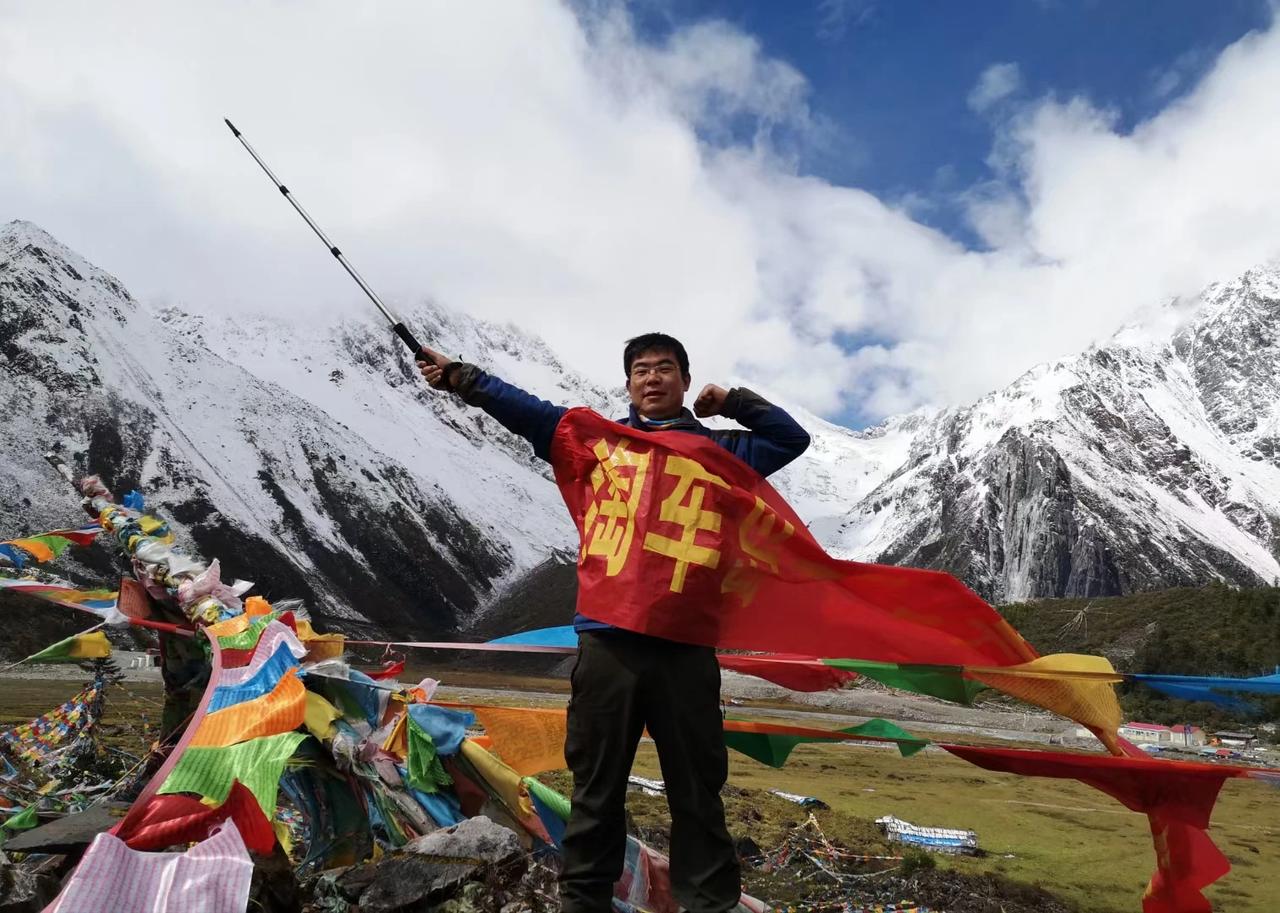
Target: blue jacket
<point x="772" y="438"/>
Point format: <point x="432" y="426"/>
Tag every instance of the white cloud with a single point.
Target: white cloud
<point x="518" y="162"/>
<point x="997" y="82"/>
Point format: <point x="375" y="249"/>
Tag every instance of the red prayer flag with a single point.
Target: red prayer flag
<point x="172" y="819"/>
<point x="1177" y="797"/>
<point x="682" y="540"/>
<point x="799" y="673"/>
<point x="388" y="670"/>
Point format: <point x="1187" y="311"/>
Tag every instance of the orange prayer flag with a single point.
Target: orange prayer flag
<point x="529" y="740"/>
<point x="283" y="709"/>
<point x="255" y="606"/>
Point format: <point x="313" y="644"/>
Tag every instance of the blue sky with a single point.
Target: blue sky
<point x="892" y="77"/>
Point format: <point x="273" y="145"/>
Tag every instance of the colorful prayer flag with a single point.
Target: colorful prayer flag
<point x="211" y="772"/>
<point x="212" y="877"/>
<point x="1177" y="797"/>
<point x="771" y="744"/>
<point x="169" y="820"/>
<point x="78" y="647"/>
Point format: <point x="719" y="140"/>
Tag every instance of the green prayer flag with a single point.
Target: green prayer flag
<point x="22" y="821"/>
<point x="556" y="801"/>
<point x="74" y="649"/>
<point x="425" y="772"/>
<point x="248" y="638"/>
<point x="257" y="763"/>
<point x="945" y="682"/>
<point x="775" y="749"/>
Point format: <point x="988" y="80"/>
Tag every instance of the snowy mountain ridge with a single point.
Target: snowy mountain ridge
<point x="312" y="458"/>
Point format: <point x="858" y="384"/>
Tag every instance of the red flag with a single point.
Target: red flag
<point x="1177" y="797"/>
<point x="169" y="820"/>
<point x="799" y="673"/>
<point x="682" y="540"/>
<point x="389" y="670"/>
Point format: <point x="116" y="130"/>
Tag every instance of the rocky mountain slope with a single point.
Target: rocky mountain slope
<point x="308" y="456"/>
<point x="1147" y="462"/>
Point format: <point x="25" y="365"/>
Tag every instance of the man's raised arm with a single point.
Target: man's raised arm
<point x="775" y="438"/>
<point x="519" y="412"/>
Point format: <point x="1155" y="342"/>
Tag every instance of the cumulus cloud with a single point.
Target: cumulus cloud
<point x="997" y="82"/>
<point x="529" y="162"/>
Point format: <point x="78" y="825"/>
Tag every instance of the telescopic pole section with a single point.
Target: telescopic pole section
<point x="396" y="324"/>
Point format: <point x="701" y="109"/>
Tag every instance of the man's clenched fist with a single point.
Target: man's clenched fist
<point x="710" y="401"/>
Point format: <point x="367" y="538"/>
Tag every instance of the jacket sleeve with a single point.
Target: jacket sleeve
<point x="521" y="413"/>
<point x="775" y="439"/>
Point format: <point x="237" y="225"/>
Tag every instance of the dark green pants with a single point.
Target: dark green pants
<point x="623" y="683"/>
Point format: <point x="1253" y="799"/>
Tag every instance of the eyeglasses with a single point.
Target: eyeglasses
<point x="662" y="369"/>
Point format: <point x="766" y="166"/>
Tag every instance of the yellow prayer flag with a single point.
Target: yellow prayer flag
<point x="319" y="716"/>
<point x="255" y="606"/>
<point x="91" y="646"/>
<point x="502" y="779"/>
<point x="1079" y="687"/>
<point x="319" y="646"/>
<point x="237" y="624"/>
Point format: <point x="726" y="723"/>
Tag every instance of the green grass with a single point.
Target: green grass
<point x="1058" y="834"/>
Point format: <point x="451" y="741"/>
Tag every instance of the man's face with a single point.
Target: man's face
<point x="656" y="385"/>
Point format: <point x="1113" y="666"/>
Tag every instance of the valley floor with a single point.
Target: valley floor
<point x="1059" y="835"/>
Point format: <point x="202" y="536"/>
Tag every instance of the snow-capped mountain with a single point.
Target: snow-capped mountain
<point x="312" y="459"/>
<point x="1150" y="461"/>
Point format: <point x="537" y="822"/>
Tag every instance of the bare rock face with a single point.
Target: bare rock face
<point x="26" y="888"/>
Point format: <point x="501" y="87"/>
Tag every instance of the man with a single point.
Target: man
<point x="623" y="682"/>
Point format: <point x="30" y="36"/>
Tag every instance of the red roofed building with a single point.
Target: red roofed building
<point x="1186" y="734"/>
<point x="1146" y="732"/>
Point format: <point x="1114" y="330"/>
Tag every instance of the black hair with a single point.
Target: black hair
<point x="654" y="342"/>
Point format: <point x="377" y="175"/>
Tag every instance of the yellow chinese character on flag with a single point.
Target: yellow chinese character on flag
<point x="760" y="536"/>
<point x="610" y="523"/>
<point x="684" y="506"/>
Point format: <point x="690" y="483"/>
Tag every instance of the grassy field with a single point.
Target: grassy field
<point x="1061" y="835"/>
<point x="1064" y="836"/>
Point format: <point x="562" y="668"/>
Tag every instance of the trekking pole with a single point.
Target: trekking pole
<point x="396" y="323"/>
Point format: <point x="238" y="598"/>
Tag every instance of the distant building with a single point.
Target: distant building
<point x="1236" y="739"/>
<point x="1185" y="734"/>
<point x="1146" y="732"/>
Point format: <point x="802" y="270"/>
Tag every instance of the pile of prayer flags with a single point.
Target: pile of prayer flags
<point x="37" y="740"/>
